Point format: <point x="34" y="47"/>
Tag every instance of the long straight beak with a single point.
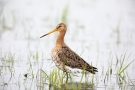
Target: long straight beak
<point x="54" y="30"/>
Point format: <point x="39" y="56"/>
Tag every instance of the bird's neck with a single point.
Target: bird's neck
<point x="60" y="39"/>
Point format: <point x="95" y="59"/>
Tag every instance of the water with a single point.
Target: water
<point x="96" y="30"/>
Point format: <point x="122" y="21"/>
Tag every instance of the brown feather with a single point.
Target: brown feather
<point x="69" y="58"/>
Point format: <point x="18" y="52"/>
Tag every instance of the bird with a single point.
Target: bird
<point x="65" y="58"/>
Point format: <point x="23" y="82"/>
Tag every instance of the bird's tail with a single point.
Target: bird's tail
<point x="93" y="70"/>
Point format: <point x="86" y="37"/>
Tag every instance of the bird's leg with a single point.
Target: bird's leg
<point x="66" y="77"/>
<point x="70" y="77"/>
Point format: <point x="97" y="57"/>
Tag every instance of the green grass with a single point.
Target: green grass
<point x="58" y="79"/>
<point x="121" y="69"/>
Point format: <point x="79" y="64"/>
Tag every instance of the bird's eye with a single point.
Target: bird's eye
<point x="58" y="26"/>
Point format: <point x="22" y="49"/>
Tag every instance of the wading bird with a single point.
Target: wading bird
<point x="64" y="57"/>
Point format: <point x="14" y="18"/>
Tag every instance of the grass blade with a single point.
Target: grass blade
<point x="124" y="68"/>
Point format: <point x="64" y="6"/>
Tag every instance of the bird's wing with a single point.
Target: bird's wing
<point x="70" y="58"/>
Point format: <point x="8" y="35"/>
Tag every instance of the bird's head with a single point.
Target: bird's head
<point x="60" y="27"/>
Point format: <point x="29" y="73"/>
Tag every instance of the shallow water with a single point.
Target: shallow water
<point x="96" y="31"/>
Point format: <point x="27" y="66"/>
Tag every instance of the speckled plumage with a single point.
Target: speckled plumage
<point x="64" y="57"/>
